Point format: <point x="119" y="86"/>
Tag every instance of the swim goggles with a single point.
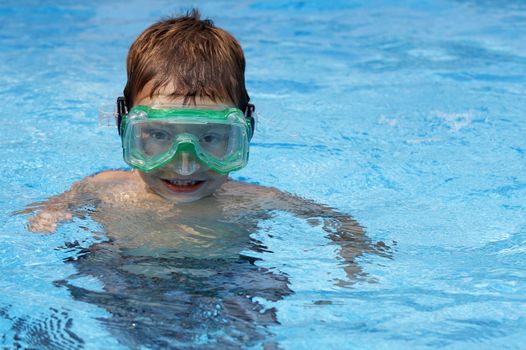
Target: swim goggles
<point x="153" y="136"/>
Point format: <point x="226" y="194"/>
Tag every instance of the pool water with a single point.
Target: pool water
<point x="407" y="115"/>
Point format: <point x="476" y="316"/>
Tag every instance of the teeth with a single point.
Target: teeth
<point x="182" y="182"/>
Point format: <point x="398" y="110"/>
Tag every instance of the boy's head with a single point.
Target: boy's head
<point x="186" y="61"/>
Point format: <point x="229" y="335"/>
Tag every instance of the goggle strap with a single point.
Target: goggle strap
<point x="122" y="110"/>
<point x="249" y="114"/>
<point x="249" y="110"/>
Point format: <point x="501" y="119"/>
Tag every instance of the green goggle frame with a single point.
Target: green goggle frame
<point x="233" y="154"/>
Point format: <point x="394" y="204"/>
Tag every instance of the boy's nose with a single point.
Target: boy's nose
<point x="185" y="163"/>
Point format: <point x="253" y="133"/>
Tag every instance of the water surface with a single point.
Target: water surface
<point x="409" y="116"/>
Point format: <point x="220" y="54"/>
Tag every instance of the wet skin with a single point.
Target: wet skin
<point x="188" y="258"/>
<point x="178" y="276"/>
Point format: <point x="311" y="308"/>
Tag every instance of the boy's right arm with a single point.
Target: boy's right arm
<point x="63" y="207"/>
<point x="49" y="213"/>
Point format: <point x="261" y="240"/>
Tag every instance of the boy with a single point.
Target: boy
<point x="185" y="122"/>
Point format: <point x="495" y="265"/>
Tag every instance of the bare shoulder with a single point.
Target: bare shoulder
<point x="271" y="198"/>
<point x="118" y="186"/>
<point x="255" y="196"/>
<point x="245" y="189"/>
<point x="113" y="179"/>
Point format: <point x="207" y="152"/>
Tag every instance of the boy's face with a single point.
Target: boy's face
<point x="167" y="181"/>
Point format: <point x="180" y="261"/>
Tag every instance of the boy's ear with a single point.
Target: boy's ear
<point x="249" y="114"/>
<point x="121" y="110"/>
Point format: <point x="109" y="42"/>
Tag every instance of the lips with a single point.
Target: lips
<point x="183" y="185"/>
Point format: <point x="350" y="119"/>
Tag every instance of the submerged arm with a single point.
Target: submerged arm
<point x="341" y="228"/>
<point x="63" y="207"/>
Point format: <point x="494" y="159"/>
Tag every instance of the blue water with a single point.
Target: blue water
<point x="407" y="115"/>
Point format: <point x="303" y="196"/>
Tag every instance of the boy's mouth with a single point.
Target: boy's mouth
<point x="178" y="185"/>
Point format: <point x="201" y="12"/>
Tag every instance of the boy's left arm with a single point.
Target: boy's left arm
<point x="47" y="214"/>
<point x="341" y="228"/>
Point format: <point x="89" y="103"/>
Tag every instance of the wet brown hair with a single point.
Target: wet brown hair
<point x="191" y="55"/>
